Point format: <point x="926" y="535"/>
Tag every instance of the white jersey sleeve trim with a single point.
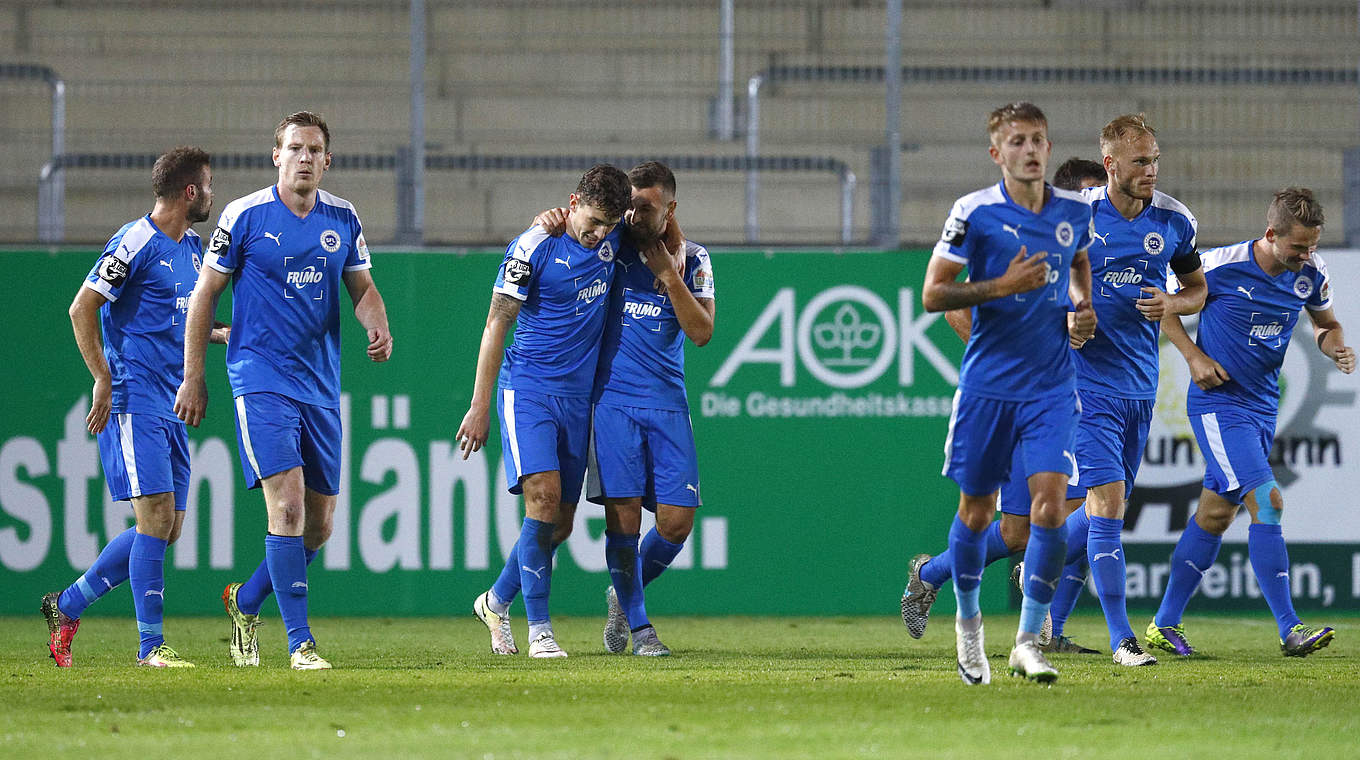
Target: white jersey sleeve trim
<point x="942" y="251"/>
<point x="1071" y="195"/>
<point x="359" y="267"/>
<point x="1228" y="254"/>
<point x="102" y="288"/>
<point x="211" y="260"/>
<point x="1325" y="286"/>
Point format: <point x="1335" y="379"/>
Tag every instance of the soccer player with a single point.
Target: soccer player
<point x="1017" y="381"/>
<point x="1010" y="534"/>
<point x="285" y="249"/>
<point x="554" y="290"/>
<point x="642" y="443"/>
<point x="137" y="294"/>
<point x="1137" y="233"/>
<point x="1256" y="289"/>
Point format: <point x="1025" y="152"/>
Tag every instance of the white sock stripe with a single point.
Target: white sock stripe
<point x="1216" y="448"/>
<point x="508" y="418"/>
<point x="129" y="456"/>
<point x="245" y="436"/>
<point x="949" y="437"/>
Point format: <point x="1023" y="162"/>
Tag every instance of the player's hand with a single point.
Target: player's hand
<point x="553" y="221"/>
<point x="379" y="344"/>
<point x="1345" y="359"/>
<point x="1025" y="274"/>
<point x="1081" y="324"/>
<point x="472" y="433"/>
<point x="675" y="243"/>
<point x="1155" y="305"/>
<point x="101" y="401"/>
<point x="220" y="334"/>
<point x="191" y="401"/>
<point x="1206" y="372"/>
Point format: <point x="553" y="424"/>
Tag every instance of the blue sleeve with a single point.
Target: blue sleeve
<point x="1087" y="226"/>
<point x="224" y="246"/>
<point x="358" y="250"/>
<point x="520" y="268"/>
<point x="116" y="268"/>
<point x="1321" y="297"/>
<point x="1185" y="258"/>
<point x="956" y="243"/>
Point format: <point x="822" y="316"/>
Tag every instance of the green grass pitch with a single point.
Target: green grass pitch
<point x="737" y="687"/>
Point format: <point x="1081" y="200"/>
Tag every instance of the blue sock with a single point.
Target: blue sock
<point x="109" y="570"/>
<point x="938" y="569"/>
<point x="656" y="554"/>
<point x="287" y="561"/>
<point x="1105" y="550"/>
<point x="625" y="572"/>
<point x="1043" y="565"/>
<point x="506" y="587"/>
<point x="257" y="588"/>
<point x="967" y="550"/>
<point x="146" y="571"/>
<point x="1069" y="591"/>
<point x="1270" y="560"/>
<point x="535" y="558"/>
<point x="1078" y="526"/>
<point x="1195" y="553"/>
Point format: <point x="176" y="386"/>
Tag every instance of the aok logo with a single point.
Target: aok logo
<point x="846" y="336"/>
<point x="300" y="279"/>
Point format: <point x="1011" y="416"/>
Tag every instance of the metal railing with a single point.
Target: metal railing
<point x="52" y="186"/>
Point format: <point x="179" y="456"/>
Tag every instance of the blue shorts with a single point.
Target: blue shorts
<point x="984" y="433"/>
<point x="544" y="433"/>
<point x="1236" y="449"/>
<point x="1110" y="439"/>
<point x="643" y="452"/>
<point x="1015" y="496"/>
<point x="144" y="455"/>
<point x="275" y="433"/>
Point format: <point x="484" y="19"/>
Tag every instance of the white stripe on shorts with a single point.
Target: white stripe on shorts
<point x="129" y="460"/>
<point x="508" y="417"/>
<point x="1215" y="437"/>
<point x="245" y="436"/>
<point x="949" y="438"/>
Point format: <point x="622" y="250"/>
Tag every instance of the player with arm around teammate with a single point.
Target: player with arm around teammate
<point x="1009" y="534"/>
<point x="137" y="294"/>
<point x="286" y="250"/>
<point x="555" y="292"/>
<point x="1017" y="382"/>
<point x="1256" y="290"/>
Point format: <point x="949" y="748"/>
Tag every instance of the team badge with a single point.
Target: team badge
<point x="198" y="263"/>
<point x="112" y="270"/>
<point x="955" y="230"/>
<point x="1326" y="294"/>
<point x="363" y="249"/>
<point x="606" y="252"/>
<point x="221" y="240"/>
<point x="703" y="280"/>
<point x="517" y="272"/>
<point x="1154" y="243"/>
<point x="1064" y="234"/>
<point x="1303" y="287"/>
<point x="330" y="240"/>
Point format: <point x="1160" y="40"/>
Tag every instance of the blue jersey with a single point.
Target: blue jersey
<point x="286" y="286"/>
<point x="565" y="290"/>
<point x="1126" y="255"/>
<point x="1018" y="349"/>
<point x="642" y="356"/>
<point x="147" y="279"/>
<point x="1246" y="324"/>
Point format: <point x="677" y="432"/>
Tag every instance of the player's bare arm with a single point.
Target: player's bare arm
<point x="84" y="313"/>
<point x="472" y="433"/>
<point x="191" y="400"/>
<point x="1081" y="321"/>
<point x="1156" y="303"/>
<point x="961" y="320"/>
<point x="371" y="312"/>
<point x="1331" y="340"/>
<point x="1204" y="370"/>
<point x="696" y="315"/>
<point x="943" y="290"/>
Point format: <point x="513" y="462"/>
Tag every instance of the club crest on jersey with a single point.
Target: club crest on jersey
<point x="198" y="263"/>
<point x="1153" y="243"/>
<point x="1303" y="287"/>
<point x="1064" y="234"/>
<point x="112" y="270"/>
<point x="330" y="240"/>
<point x="606" y="252"/>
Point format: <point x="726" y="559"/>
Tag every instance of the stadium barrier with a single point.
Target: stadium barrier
<point x="820" y="408"/>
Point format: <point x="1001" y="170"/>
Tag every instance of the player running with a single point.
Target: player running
<point x="1256" y="289"/>
<point x="286" y="250"/>
<point x="1017" y="380"/>
<point x="1009" y="534"/>
<point x="554" y="290"/>
<point x="137" y="295"/>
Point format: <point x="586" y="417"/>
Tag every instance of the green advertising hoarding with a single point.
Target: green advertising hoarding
<point x="819" y="407"/>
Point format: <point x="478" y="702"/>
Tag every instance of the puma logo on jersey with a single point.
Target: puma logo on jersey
<point x="1247" y="291"/>
<point x="690" y="486"/>
<point x="1100" y="237"/>
<point x="1013" y="230"/>
<point x="537" y="573"/>
<point x="167" y="265"/>
<point x="563" y="262"/>
<point x="274" y="237"/>
<point x="1112" y="555"/>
